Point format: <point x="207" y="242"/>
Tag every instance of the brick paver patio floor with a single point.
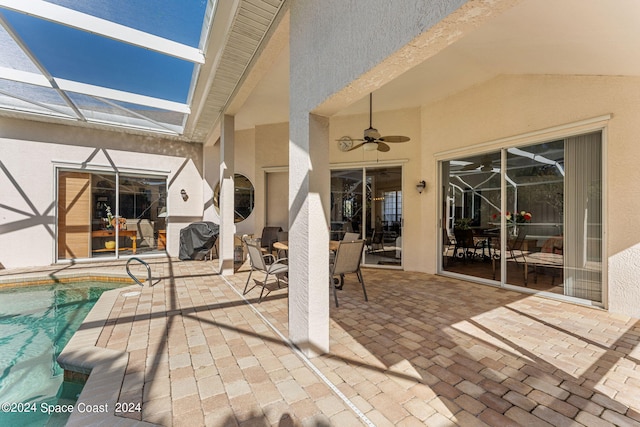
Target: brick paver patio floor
<point x="425" y="350"/>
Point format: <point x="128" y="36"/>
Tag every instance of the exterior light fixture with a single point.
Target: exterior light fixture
<point x="184" y="195"/>
<point x="421" y="186"/>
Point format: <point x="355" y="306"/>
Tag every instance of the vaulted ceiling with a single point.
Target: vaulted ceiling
<point x="570" y="37"/>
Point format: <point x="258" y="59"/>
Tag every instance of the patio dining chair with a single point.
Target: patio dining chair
<point x="265" y="263"/>
<point x="268" y="238"/>
<point x="347" y="260"/>
<point x="349" y="237"/>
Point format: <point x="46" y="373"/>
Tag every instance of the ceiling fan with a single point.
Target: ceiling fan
<point x="485" y="165"/>
<point x="372" y="140"/>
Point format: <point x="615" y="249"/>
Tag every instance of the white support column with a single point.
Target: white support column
<point x="309" y="183"/>
<point x="227" y="225"/>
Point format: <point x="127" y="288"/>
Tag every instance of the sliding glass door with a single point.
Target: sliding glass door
<point x="103" y="214"/>
<point x="367" y="203"/>
<point x="538" y="222"/>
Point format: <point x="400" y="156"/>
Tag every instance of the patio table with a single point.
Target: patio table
<point x="542" y="259"/>
<point x="284" y="246"/>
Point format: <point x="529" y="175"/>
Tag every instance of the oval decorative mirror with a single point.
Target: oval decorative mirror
<point x="243" y="198"/>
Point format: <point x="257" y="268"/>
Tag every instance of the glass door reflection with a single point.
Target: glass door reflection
<point x="346" y="203"/>
<point x="535" y="200"/>
<point x="383" y="216"/>
<point x="372" y="211"/>
<point x="471" y="216"/>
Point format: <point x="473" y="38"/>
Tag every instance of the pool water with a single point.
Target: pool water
<point x="36" y="322"/>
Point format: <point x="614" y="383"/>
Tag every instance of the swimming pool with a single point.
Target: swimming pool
<point x="36" y="322"/>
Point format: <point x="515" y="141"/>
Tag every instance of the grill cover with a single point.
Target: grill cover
<point x="197" y="239"/>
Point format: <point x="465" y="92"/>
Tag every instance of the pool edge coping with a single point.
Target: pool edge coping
<point x="27" y="280"/>
<point x="106" y="367"/>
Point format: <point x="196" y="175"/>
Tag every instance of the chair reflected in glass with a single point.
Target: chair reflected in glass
<point x="448" y="246"/>
<point x="515" y="252"/>
<point x="376" y="242"/>
<point x="347" y="260"/>
<point x="466" y="245"/>
<point x="550" y="257"/>
<point x="265" y="263"/>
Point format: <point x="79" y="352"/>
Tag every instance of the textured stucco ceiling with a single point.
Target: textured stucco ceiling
<point x="570" y="37"/>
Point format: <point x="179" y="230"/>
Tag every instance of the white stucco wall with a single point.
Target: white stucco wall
<point x="504" y="107"/>
<point x="408" y="155"/>
<point x="245" y="158"/>
<point x="363" y="35"/>
<point x="271" y="150"/>
<point x="28" y="151"/>
<point x="514" y="105"/>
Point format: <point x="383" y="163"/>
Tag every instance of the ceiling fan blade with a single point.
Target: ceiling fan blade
<point x="383" y="147"/>
<point x="355" y="147"/>
<point x="394" y="138"/>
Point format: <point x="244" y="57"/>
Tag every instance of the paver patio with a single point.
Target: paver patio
<point x="425" y="350"/>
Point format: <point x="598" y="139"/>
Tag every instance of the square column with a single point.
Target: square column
<point x="309" y="198"/>
<point x="227" y="170"/>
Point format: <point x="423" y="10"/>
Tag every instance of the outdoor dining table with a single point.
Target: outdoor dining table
<point x="542" y="259"/>
<point x="284" y="246"/>
<point x="333" y="247"/>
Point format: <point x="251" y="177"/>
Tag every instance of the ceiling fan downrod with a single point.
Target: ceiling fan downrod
<point x="371" y="134"/>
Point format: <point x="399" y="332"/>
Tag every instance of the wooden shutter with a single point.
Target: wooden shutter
<point x="74" y="215"/>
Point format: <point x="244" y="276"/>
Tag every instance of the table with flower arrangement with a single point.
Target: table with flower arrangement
<point x="133" y="234"/>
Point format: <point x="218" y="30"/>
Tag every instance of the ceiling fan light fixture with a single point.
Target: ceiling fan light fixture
<point x="371" y="141"/>
<point x="370" y="146"/>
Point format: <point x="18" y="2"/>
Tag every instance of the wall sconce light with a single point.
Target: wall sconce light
<point x="184" y="195"/>
<point x="421" y="186"/>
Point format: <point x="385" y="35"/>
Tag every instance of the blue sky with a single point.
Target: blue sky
<point x="178" y="20"/>
<point x="76" y="55"/>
